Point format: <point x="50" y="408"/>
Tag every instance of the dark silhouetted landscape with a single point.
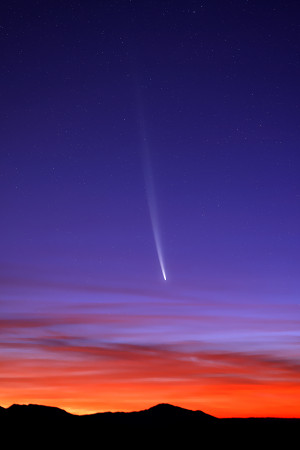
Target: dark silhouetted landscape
<point x="159" y="425"/>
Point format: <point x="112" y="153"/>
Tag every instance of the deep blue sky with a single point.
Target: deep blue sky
<point x="216" y="85"/>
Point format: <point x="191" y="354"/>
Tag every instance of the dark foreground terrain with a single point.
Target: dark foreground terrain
<point x="162" y="426"/>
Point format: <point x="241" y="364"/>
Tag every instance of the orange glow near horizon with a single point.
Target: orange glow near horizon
<point x="227" y="401"/>
<point x="136" y="383"/>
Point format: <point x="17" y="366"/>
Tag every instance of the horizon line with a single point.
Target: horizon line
<point x="72" y="412"/>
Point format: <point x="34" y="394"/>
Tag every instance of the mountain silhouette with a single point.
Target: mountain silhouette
<point x="161" y="425"/>
<point x="39" y="412"/>
<point x="165" y="409"/>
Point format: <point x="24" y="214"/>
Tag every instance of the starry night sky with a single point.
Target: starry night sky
<point x="209" y="91"/>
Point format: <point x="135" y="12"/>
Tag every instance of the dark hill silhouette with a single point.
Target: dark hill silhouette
<point x="162" y="416"/>
<point x="174" y="412"/>
<point x="36" y="412"/>
<point x="160" y="426"/>
<point x="168" y="414"/>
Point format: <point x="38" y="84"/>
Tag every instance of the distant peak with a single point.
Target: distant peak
<point x="37" y="409"/>
<point x="167" y="410"/>
<point x="166" y="407"/>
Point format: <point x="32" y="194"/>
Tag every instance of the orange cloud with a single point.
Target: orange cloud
<point x="85" y="378"/>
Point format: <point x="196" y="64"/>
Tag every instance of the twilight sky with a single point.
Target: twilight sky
<point x="135" y="134"/>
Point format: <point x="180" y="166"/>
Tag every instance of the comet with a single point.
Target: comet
<point x="150" y="191"/>
<point x="151" y="200"/>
